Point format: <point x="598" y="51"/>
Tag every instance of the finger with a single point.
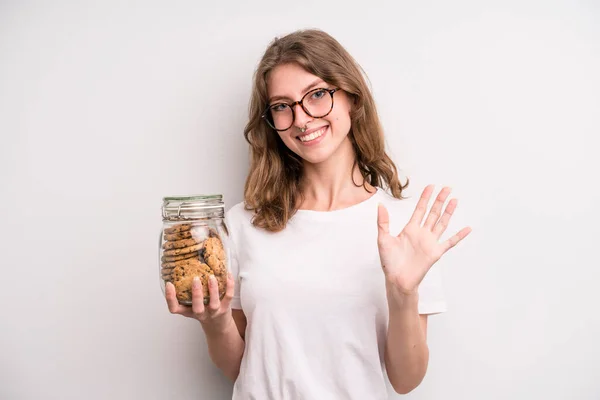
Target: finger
<point x="436" y="209"/>
<point x="225" y="303"/>
<point x="383" y="220"/>
<point x="197" y="297"/>
<point x="172" y="303"/>
<point x="213" y="290"/>
<point x="421" y="208"/>
<point x="442" y="224"/>
<point x="454" y="240"/>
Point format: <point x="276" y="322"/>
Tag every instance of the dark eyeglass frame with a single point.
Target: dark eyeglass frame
<point x="292" y="106"/>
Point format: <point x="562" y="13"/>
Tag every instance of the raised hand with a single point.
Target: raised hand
<point x="407" y="258"/>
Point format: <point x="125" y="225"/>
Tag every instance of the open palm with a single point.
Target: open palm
<point x="407" y="258"/>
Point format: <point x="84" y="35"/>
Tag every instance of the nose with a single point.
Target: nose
<point x="302" y="118"/>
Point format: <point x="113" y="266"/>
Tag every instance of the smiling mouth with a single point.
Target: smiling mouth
<point x="313" y="135"/>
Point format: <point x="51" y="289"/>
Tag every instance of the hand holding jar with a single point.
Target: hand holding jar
<point x="215" y="315"/>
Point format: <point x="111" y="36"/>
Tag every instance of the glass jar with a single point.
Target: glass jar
<point x="193" y="242"/>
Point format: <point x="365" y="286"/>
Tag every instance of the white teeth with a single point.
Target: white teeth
<point x="312" y="136"/>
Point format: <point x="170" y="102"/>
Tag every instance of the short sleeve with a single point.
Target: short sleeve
<point x="431" y="292"/>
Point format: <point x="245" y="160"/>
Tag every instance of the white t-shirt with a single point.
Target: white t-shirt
<point x="315" y="300"/>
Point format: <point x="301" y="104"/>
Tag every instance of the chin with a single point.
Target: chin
<point x="314" y="160"/>
<point x="317" y="157"/>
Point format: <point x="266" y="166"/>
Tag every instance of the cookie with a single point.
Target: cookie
<point x="183" y="277"/>
<point x="178" y="228"/>
<point x="178" y="236"/>
<point x="166" y="271"/>
<point x="173" y="264"/>
<point x="218" y="266"/>
<point x="187" y="265"/>
<point x="180" y="257"/>
<point x="185" y="250"/>
<point x="214" y="254"/>
<point x="179" y="244"/>
<point x="213" y="245"/>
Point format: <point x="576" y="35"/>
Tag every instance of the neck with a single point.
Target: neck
<point x="335" y="183"/>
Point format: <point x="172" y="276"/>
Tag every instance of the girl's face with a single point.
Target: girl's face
<point x="288" y="83"/>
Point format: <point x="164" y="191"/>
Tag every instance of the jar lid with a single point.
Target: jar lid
<point x="176" y="208"/>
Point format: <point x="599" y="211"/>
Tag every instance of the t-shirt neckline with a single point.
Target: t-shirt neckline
<point x="341" y="212"/>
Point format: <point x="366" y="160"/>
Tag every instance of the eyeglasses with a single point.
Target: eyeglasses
<point x="317" y="103"/>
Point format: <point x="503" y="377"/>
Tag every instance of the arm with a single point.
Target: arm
<point x="226" y="346"/>
<point x="222" y="326"/>
<point x="405" y="260"/>
<point x="406" y="351"/>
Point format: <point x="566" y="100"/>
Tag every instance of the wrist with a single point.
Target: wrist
<point x="400" y="298"/>
<point x="400" y="286"/>
<point x="218" y="327"/>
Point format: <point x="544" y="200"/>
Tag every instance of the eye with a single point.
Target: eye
<point x="318" y="94"/>
<point x="279" y="107"/>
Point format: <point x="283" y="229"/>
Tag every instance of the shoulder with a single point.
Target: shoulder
<point x="394" y="204"/>
<point x="237" y="215"/>
<point x="237" y="210"/>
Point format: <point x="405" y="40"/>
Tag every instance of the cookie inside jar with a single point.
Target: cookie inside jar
<point x="189" y="250"/>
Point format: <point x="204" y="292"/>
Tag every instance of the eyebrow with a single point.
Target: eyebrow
<point x="306" y="89"/>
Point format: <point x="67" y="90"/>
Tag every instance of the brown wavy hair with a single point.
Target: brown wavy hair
<point x="272" y="188"/>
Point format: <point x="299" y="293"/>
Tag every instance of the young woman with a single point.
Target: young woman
<point x="332" y="277"/>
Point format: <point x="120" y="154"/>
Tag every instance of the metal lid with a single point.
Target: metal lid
<point x="176" y="208"/>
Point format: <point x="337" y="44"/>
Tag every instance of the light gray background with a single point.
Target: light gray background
<point x="107" y="106"/>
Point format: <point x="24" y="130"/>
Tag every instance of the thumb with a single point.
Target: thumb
<point x="383" y="220"/>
